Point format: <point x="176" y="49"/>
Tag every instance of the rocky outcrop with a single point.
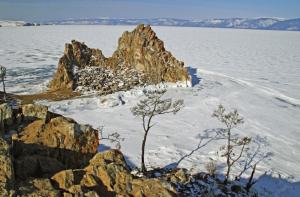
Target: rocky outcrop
<point x="108" y="175"/>
<point x="50" y="147"/>
<point x="32" y="112"/>
<point x="76" y="56"/>
<point x="7" y="177"/>
<point x="17" y="118"/>
<point x="36" y="187"/>
<point x="139" y="59"/>
<point x="52" y="155"/>
<point x="6" y="117"/>
<point x="45" y="141"/>
<point x="144" y="51"/>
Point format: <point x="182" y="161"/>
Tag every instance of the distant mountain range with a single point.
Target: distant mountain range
<point x="239" y="23"/>
<point x="10" y="23"/>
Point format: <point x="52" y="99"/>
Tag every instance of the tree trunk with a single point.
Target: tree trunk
<point x="2" y="123"/>
<point x="144" y="169"/>
<point x="228" y="157"/>
<point x="4" y="92"/>
<point x="250" y="183"/>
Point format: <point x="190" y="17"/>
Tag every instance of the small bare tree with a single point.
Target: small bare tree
<point x="2" y="78"/>
<point x="236" y="145"/>
<point x="153" y="105"/>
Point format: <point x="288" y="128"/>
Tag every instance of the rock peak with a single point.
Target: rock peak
<point x="140" y="56"/>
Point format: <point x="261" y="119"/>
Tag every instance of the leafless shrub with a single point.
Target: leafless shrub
<point x="211" y="167"/>
<point x="235" y="146"/>
<point x="114" y="138"/>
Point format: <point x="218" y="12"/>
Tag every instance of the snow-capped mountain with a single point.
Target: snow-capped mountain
<point x="241" y="23"/>
<point x="238" y="23"/>
<point x="11" y="23"/>
<point x="8" y="23"/>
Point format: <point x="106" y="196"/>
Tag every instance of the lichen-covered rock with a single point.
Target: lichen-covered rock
<point x="108" y="175"/>
<point x="139" y="59"/>
<point x="58" y="157"/>
<point x="68" y="178"/>
<point x="61" y="142"/>
<point x="40" y="166"/>
<point x="36" y="187"/>
<point x="32" y="112"/>
<point x="144" y="51"/>
<point x="6" y="117"/>
<point x="111" y="168"/>
<point x="7" y="177"/>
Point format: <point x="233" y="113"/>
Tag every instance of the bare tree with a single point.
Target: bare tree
<point x="258" y="151"/>
<point x="114" y="138"/>
<point x="236" y="145"/>
<point x="153" y="105"/>
<point x="2" y="78"/>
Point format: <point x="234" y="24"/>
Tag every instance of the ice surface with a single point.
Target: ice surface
<point x="256" y="72"/>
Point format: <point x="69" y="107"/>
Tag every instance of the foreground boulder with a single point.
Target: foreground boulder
<point x="51" y="155"/>
<point x="31" y="112"/>
<point x="6" y="117"/>
<point x="36" y="187"/>
<point x="7" y="176"/>
<point x="50" y="147"/>
<point x="45" y="141"/>
<point x="139" y="59"/>
<point x="108" y="175"/>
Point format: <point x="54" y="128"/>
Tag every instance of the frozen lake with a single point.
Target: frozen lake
<point x="257" y="72"/>
<point x="267" y="58"/>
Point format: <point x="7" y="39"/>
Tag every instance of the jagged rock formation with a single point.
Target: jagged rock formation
<point x="51" y="155"/>
<point x="50" y="147"/>
<point x="145" y="52"/>
<point x="108" y="175"/>
<point x="139" y="59"/>
<point x="46" y="141"/>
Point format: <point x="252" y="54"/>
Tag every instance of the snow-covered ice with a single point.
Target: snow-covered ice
<point x="256" y="72"/>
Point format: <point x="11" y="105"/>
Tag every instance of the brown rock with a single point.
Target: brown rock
<point x="6" y="118"/>
<point x="110" y="167"/>
<point x="140" y="50"/>
<point x="40" y="166"/>
<point x="58" y="144"/>
<point x="45" y="149"/>
<point x="64" y="77"/>
<point x="36" y="188"/>
<point x="67" y="178"/>
<point x="108" y="175"/>
<point x="152" y="188"/>
<point x="34" y="111"/>
<point x="76" y="55"/>
<point x="145" y="52"/>
<point x="7" y="177"/>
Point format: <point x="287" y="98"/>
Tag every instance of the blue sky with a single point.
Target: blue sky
<point x="42" y="10"/>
